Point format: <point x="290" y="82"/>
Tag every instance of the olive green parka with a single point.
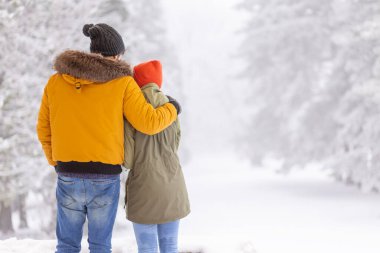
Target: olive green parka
<point x="155" y="189"/>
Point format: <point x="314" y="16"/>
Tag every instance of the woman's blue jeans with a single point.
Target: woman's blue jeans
<point x="78" y="198"/>
<point x="148" y="234"/>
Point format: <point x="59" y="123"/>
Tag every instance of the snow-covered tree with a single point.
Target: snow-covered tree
<point x="313" y="67"/>
<point x="357" y="69"/>
<point x="285" y="45"/>
<point x="16" y="141"/>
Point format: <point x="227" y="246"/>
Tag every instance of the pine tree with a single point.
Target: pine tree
<point x="357" y="69"/>
<point x="9" y="136"/>
<point x="284" y="47"/>
<point x="326" y="54"/>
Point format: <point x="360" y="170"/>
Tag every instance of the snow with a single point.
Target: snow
<point x="238" y="208"/>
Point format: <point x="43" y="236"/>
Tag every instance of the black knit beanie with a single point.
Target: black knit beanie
<point x="104" y="39"/>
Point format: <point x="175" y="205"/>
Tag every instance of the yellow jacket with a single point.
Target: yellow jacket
<point x="82" y="108"/>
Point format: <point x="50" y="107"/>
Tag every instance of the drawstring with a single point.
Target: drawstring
<point x="78" y="86"/>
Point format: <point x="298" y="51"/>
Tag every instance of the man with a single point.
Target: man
<point x="80" y="127"/>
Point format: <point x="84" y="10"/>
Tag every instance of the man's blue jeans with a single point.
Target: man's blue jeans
<point x="147" y="235"/>
<point x="78" y="198"/>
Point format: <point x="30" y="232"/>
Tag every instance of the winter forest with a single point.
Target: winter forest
<point x="280" y="121"/>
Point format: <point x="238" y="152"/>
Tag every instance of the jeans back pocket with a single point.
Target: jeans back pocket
<point x="66" y="191"/>
<point x="104" y="192"/>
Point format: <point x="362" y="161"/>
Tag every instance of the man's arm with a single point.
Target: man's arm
<point x="43" y="128"/>
<point x="142" y="116"/>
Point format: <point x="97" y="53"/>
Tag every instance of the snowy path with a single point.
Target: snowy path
<point x="238" y="209"/>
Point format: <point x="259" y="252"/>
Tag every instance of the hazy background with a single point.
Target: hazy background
<point x="280" y="117"/>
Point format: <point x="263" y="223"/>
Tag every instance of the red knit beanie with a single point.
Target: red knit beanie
<point x="148" y="72"/>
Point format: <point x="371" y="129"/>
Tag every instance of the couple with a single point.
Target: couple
<point x="97" y="115"/>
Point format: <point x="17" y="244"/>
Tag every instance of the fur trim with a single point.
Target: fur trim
<point x="92" y="67"/>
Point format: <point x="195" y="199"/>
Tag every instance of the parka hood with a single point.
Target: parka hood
<point x="85" y="68"/>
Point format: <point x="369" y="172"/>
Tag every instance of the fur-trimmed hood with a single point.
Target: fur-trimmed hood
<point x="91" y="67"/>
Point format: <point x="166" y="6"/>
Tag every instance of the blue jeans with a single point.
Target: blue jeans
<point x="147" y="235"/>
<point x="78" y="198"/>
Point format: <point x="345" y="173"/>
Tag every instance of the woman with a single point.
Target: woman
<point x="156" y="196"/>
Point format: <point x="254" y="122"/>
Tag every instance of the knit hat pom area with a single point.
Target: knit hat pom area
<point x="104" y="39"/>
<point x="89" y="30"/>
<point x="86" y="29"/>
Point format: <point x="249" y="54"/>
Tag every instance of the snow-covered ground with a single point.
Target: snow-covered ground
<point x="237" y="208"/>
